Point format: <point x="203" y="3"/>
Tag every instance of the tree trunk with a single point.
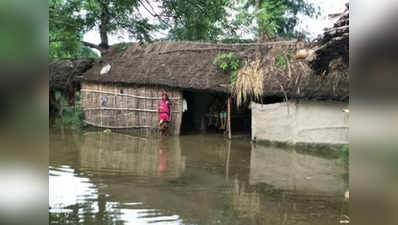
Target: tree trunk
<point x="260" y="37"/>
<point x="103" y="27"/>
<point x="229" y="118"/>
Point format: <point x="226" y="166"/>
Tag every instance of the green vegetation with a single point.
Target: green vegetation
<point x="70" y="117"/>
<point x="272" y="18"/>
<point x="69" y="20"/>
<point x="208" y="20"/>
<point x="195" y="20"/>
<point x="344" y="154"/>
<point x="70" y="50"/>
<point x="233" y="76"/>
<point x="230" y="63"/>
<point x="227" y="61"/>
<point x="281" y="60"/>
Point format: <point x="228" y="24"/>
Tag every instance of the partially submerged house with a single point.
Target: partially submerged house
<point x="298" y="92"/>
<point x="123" y="88"/>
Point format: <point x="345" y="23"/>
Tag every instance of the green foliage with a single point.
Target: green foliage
<point x="228" y="62"/>
<point x="69" y="20"/>
<point x="207" y="20"/>
<point x="195" y="20"/>
<point x="344" y="154"/>
<point x="233" y="76"/>
<point x="73" y="117"/>
<point x="72" y="50"/>
<point x="60" y="99"/>
<point x="273" y="18"/>
<point x="70" y="116"/>
<point x="281" y="60"/>
<point x="267" y="17"/>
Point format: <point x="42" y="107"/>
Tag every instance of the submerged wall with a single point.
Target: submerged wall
<point x="322" y="122"/>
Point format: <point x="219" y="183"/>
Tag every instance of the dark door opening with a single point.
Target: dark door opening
<point x="201" y="116"/>
<point x="197" y="106"/>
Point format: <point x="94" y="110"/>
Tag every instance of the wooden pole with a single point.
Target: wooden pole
<point x="229" y="117"/>
<point x="227" y="160"/>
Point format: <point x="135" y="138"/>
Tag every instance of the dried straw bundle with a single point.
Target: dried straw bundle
<point x="249" y="83"/>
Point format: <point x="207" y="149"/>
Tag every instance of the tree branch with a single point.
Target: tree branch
<point x="152" y="13"/>
<point x="85" y="43"/>
<point x="91" y="45"/>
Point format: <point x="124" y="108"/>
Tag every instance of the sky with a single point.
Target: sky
<point x="314" y="26"/>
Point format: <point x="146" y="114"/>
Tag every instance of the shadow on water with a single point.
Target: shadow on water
<point x="98" y="178"/>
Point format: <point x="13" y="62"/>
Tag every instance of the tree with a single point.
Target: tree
<point x="274" y="18"/>
<point x="195" y="20"/>
<point x="68" y="47"/>
<point x="70" y="19"/>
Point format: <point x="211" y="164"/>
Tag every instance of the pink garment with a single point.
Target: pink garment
<point x="164" y="113"/>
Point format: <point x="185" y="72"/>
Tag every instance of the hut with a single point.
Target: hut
<point x="63" y="77"/>
<point x="123" y="88"/>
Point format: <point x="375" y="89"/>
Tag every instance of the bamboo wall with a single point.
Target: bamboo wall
<point x="128" y="107"/>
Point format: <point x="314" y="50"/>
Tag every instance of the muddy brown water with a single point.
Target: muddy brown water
<point x="98" y="178"/>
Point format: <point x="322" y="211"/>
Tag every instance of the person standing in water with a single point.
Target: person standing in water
<point x="164" y="113"/>
<point x="223" y="116"/>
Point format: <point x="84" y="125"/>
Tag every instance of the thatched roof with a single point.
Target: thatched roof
<point x="63" y="72"/>
<point x="333" y="47"/>
<point x="186" y="65"/>
<point x="189" y="65"/>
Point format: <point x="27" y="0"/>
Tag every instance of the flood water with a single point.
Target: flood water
<point x="202" y="179"/>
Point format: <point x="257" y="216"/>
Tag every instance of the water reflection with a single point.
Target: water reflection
<point x="197" y="179"/>
<point x="288" y="187"/>
<point x="118" y="154"/>
<point x="288" y="170"/>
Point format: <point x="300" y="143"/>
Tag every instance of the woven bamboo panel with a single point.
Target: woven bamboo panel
<point x="123" y="107"/>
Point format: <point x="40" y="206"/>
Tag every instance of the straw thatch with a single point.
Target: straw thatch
<point x="63" y="72"/>
<point x="332" y="48"/>
<point x="185" y="65"/>
<point x="189" y="65"/>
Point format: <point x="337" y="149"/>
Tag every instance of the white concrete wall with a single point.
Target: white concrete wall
<point x="301" y="122"/>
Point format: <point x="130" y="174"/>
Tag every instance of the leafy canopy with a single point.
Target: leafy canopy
<point x="272" y="18"/>
<point x="195" y="20"/>
<point x="209" y="20"/>
<point x="70" y="19"/>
